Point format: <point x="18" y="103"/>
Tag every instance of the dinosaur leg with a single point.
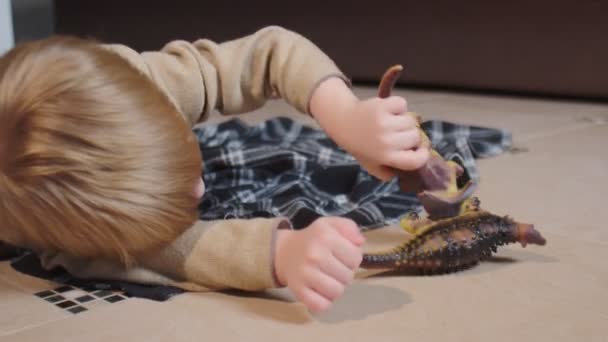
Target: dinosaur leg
<point x="413" y="224"/>
<point x="469" y="205"/>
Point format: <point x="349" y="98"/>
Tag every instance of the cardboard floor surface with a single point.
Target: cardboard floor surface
<point x="556" y="179"/>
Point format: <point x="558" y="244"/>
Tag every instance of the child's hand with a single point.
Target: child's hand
<point x="318" y="262"/>
<point x="377" y="132"/>
<point x="381" y="135"/>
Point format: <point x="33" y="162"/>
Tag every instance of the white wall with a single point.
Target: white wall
<point x="6" y="26"/>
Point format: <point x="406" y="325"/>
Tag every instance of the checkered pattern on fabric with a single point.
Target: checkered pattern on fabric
<point x="283" y="168"/>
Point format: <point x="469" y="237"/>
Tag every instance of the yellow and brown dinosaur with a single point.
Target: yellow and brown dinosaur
<point x="457" y="233"/>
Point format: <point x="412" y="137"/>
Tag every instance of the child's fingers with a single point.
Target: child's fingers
<point x="337" y="270"/>
<point x="409" y="159"/>
<point x="347" y="253"/>
<point x="348" y="229"/>
<point x="311" y="299"/>
<point x="397" y="123"/>
<point x="405" y="140"/>
<point x="326" y="286"/>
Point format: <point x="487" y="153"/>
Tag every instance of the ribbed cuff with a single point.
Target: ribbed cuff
<point x="284" y="224"/>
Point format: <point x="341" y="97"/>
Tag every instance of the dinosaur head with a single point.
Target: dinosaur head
<point x="525" y="233"/>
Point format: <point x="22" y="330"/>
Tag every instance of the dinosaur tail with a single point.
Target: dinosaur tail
<point x="380" y="260"/>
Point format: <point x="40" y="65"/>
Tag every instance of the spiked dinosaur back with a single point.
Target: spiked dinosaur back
<point x="453" y="244"/>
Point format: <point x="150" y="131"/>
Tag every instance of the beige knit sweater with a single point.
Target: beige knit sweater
<point x="233" y="77"/>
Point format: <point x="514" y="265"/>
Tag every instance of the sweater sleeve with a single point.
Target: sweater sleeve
<point x="210" y="255"/>
<point x="239" y="75"/>
<point x="232" y="77"/>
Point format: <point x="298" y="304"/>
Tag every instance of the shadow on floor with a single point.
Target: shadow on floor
<point x="359" y="302"/>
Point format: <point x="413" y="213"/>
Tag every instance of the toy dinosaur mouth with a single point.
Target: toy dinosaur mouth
<point x="443" y="203"/>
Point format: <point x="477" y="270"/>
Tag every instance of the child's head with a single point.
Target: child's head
<point x="94" y="159"/>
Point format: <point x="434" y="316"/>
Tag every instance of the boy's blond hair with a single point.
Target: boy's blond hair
<point x="95" y="160"/>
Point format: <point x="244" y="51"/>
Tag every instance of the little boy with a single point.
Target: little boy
<point x="100" y="172"/>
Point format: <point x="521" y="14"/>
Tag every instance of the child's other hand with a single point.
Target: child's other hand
<point x="318" y="262"/>
<point x="377" y="132"/>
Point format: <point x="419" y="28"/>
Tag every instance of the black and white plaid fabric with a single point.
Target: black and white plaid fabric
<point x="283" y="168"/>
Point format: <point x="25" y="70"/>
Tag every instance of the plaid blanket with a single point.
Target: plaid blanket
<point x="283" y="168"/>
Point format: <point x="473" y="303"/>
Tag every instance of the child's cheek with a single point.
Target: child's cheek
<point x="199" y="191"/>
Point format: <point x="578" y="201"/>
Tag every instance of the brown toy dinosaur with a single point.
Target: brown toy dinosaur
<point x="457" y="234"/>
<point x="453" y="243"/>
<point x="436" y="182"/>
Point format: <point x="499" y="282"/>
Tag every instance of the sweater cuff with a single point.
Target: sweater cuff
<point x="236" y="253"/>
<point x="284" y="224"/>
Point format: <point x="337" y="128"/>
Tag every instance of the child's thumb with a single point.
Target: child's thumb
<point x="395" y="104"/>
